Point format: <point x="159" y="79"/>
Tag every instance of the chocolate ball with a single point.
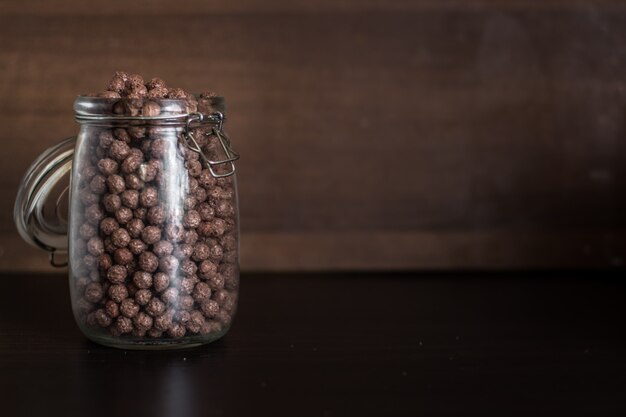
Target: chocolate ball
<point x="117" y="274"/>
<point x="156" y="215"/>
<point x="168" y="264"/>
<point x="150" y="109"/>
<point x="93" y="214"/>
<point x="135" y="227"/>
<point x="183" y="251"/>
<point x="117" y="84"/>
<point x="112" y="308"/>
<point x="187" y="284"/>
<point x="170" y="295"/>
<point x="141" y="213"/>
<point x="102" y="318"/>
<point x="115" y="184"/>
<point x="104" y="262"/>
<point x="162" y="248"/>
<point x="151" y="234"/>
<point x="205" y="211"/>
<point x="157" y="93"/>
<point x="176" y="331"/>
<point x="201" y="252"/>
<point x="185" y="302"/>
<point x="133" y="182"/>
<point x="216" y="252"/>
<point x="194" y="167"/>
<point x="224" y="208"/>
<point x="136" y="246"/>
<point x="93" y="292"/>
<point x="207" y="269"/>
<point x="206" y="180"/>
<point x="129" y="308"/>
<point x="132" y="163"/>
<point x="108" y="225"/>
<point x="155" y="83"/>
<point x="123" y="325"/>
<point x="149" y="197"/>
<point x="87" y="197"/>
<point x="142" y="279"/>
<point x="164" y="320"/>
<point x="192" y="219"/>
<point x="142" y="321"/>
<point x="161" y="281"/>
<point x="190" y="237"/>
<point x="216" y="281"/>
<point x="119" y="150"/>
<point x="95" y="246"/>
<point x="120" y="238"/>
<point x="188" y="267"/>
<point x="130" y="198"/>
<point x="123" y="215"/>
<point x="174" y="233"/>
<point x="98" y="184"/>
<point x="210" y="308"/>
<point x="143" y="296"/>
<point x="111" y="203"/>
<point x="155" y="307"/>
<point x="86" y="231"/>
<point x="123" y="256"/>
<point x="118" y="292"/>
<point x="148" y="170"/>
<point x="108" y="167"/>
<point x="148" y="261"/>
<point x="201" y="292"/>
<point x="121" y="134"/>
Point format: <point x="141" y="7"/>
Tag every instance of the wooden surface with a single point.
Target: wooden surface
<point x="373" y="134"/>
<point x="539" y="344"/>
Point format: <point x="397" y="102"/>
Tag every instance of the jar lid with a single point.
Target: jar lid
<point x="41" y="206"/>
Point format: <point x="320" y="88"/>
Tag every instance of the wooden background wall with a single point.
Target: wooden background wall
<point x="375" y="134"/>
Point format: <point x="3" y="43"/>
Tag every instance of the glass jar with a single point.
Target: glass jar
<point x="153" y="221"/>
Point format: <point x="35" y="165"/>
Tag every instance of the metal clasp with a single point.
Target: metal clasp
<point x="192" y="144"/>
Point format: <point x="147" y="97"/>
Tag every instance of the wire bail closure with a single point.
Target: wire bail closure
<point x="192" y="144"/>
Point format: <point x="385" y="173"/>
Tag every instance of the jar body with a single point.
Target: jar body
<point x="153" y="238"/>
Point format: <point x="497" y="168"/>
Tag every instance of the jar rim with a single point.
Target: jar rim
<point x="98" y="109"/>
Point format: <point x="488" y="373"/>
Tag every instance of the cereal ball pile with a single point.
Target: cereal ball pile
<point x="154" y="234"/>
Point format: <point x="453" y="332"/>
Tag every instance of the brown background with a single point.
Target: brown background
<point x="374" y="134"/>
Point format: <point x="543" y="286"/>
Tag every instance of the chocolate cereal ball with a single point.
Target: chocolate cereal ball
<point x="129" y="308"/>
<point x="93" y="292"/>
<point x="123" y="256"/>
<point x="155" y="307"/>
<point x="108" y="226"/>
<point x="115" y="184"/>
<point x="130" y="198"/>
<point x="118" y="292"/>
<point x="135" y="227"/>
<point x="149" y="197"/>
<point x="151" y="234"/>
<point x="156" y="215"/>
<point x="111" y="202"/>
<point x="117" y="274"/>
<point x="210" y="308"/>
<point x="142" y="279"/>
<point x="142" y="321"/>
<point x="143" y="296"/>
<point x="148" y="262"/>
<point x="123" y="215"/>
<point x="137" y="246"/>
<point x="161" y="281"/>
<point x="108" y="167"/>
<point x="112" y="308"/>
<point x="162" y="248"/>
<point x="120" y="238"/>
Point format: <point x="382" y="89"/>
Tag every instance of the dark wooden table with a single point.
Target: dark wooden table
<point x="338" y="345"/>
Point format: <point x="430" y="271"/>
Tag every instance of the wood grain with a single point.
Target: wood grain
<point x="440" y="122"/>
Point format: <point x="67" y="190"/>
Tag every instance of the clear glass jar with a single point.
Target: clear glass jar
<point x="153" y="221"/>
